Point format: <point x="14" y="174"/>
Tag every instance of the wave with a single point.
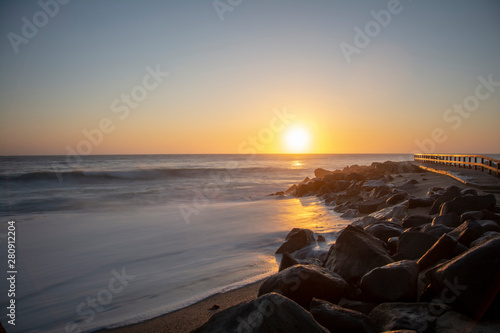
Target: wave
<point x="140" y="174"/>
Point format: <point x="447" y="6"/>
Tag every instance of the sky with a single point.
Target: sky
<point x="241" y="76"/>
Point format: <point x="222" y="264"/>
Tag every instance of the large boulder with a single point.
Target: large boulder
<point x="320" y="173"/>
<point x="437" y="230"/>
<point x="287" y="261"/>
<point x="454" y="322"/>
<point x="413" y="244"/>
<point x="484" y="238"/>
<point x="471" y="281"/>
<point x="472" y="215"/>
<point x="384" y="230"/>
<point x="396" y="212"/>
<point x="301" y="283"/>
<point x="268" y="313"/>
<point x="392" y="282"/>
<point x="355" y="253"/>
<point x="467" y="232"/>
<point x="461" y="205"/>
<point x="296" y="239"/>
<point x="488" y="225"/>
<point x="489" y="215"/>
<point x="340" y="320"/>
<point x="451" y="193"/>
<point x="364" y="222"/>
<point x="420" y="317"/>
<point x="396" y="198"/>
<point x="415" y="221"/>
<point x="420" y="202"/>
<point x="451" y="220"/>
<point x="442" y="249"/>
<point x="368" y="207"/>
<point x="310" y="188"/>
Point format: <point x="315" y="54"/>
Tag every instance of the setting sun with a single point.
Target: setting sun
<point x="297" y="139"/>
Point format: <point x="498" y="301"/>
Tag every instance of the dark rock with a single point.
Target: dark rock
<point x="287" y="261"/>
<point x="214" y="307"/>
<point x="473" y="215"/>
<point x="364" y="222"/>
<point x="484" y="238"/>
<point x="489" y="215"/>
<point x="350" y="213"/>
<point x="461" y="205"/>
<point x="450" y="194"/>
<point x="415" y="220"/>
<point x="420" y="202"/>
<point x="397" y="198"/>
<point x="311" y="261"/>
<point x="379" y="192"/>
<point x="356" y="253"/>
<point x="358" y="306"/>
<point x="339" y="320"/>
<point x="291" y="190"/>
<point x="410" y="181"/>
<point x="459" y="249"/>
<point x="320" y="173"/>
<point x="453" y="322"/>
<point x="437" y="230"/>
<point x="268" y="313"/>
<point x="384" y="230"/>
<point x="301" y="283"/>
<point x="442" y="249"/>
<point x="471" y="281"/>
<point x="450" y="220"/>
<point x="392" y="244"/>
<point x="397" y="212"/>
<point x="392" y="282"/>
<point x="412" y="245"/>
<point x="488" y="225"/>
<point x="355" y="176"/>
<point x="296" y="239"/>
<point x="469" y="191"/>
<point x="467" y="232"/>
<point x="368" y="207"/>
<point x="419" y="317"/>
<point x="309" y="188"/>
<point x="321" y="239"/>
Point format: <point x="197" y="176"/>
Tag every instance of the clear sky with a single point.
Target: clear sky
<point x="357" y="76"/>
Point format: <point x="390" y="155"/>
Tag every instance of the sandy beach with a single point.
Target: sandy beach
<point x="187" y="319"/>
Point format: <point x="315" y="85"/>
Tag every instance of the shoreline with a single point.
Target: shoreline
<point x="186" y="319"/>
<point x="194" y="316"/>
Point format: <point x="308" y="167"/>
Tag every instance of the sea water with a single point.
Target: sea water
<point x="105" y="241"/>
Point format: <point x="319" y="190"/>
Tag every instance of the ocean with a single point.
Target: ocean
<point x="105" y="241"/>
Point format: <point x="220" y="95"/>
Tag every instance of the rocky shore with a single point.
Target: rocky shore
<point x="413" y="260"/>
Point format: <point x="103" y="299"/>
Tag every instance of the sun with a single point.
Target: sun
<point x="297" y="139"/>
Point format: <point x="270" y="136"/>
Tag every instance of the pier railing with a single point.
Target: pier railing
<point x="476" y="162"/>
